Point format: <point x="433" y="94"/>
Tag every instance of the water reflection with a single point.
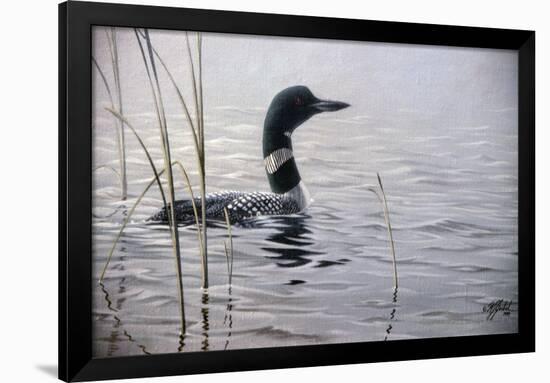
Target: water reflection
<point x="181" y="342"/>
<point x="205" y="324"/>
<point x="115" y="336"/>
<point x="228" y="318"/>
<point x="392" y="314"/>
<point x="291" y="240"/>
<point x="118" y="332"/>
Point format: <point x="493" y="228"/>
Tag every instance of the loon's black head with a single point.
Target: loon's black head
<point x="288" y="110"/>
<point x="293" y="106"/>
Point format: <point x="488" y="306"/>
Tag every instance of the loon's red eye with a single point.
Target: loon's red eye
<point x="299" y="101"/>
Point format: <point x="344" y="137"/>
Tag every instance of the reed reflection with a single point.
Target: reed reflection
<point x="119" y="333"/>
<point x="205" y="323"/>
<point x="393" y="314"/>
<point x="228" y="318"/>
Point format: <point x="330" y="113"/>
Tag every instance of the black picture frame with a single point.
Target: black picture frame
<point x="75" y="190"/>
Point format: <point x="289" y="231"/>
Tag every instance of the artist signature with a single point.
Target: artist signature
<point x="496" y="306"/>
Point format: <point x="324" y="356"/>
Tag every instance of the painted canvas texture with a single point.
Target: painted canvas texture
<point x="353" y="191"/>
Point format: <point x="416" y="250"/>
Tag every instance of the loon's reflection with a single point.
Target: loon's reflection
<point x="291" y="241"/>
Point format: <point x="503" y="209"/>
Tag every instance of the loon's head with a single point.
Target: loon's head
<point x="288" y="110"/>
<point x="293" y="106"/>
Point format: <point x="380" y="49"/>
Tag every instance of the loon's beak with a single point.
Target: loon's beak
<point x="328" y="106"/>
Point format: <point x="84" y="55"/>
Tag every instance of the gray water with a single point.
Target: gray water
<point x="438" y="124"/>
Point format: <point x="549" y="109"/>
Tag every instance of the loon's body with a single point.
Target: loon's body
<point x="288" y="110"/>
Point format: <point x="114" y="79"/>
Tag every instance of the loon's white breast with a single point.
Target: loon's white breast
<point x="300" y="195"/>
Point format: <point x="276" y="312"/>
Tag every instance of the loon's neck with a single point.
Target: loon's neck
<point x="279" y="162"/>
<point x="281" y="168"/>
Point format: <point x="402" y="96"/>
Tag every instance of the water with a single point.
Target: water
<point x="438" y="124"/>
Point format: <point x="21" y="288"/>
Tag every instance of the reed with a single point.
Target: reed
<point x="155" y="179"/>
<point x="121" y="153"/>
<point x="144" y="147"/>
<point x="197" y="132"/>
<point x="165" y="143"/>
<point x="107" y="167"/>
<point x="131" y="211"/>
<point x="203" y="165"/>
<point x="228" y="254"/>
<point x="150" y="56"/>
<point x="192" y="195"/>
<point x="384" y="202"/>
<point x="199" y="146"/>
<point x="117" y="102"/>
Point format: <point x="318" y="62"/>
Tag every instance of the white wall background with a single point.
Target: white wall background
<point x="28" y="160"/>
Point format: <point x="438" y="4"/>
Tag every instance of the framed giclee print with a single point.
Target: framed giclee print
<point x="247" y="191"/>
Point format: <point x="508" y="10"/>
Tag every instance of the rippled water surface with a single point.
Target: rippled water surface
<point x="438" y="124"/>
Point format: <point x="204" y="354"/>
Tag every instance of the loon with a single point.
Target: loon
<point x="289" y="109"/>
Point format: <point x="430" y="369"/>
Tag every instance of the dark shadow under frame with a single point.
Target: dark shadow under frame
<point x="75" y="185"/>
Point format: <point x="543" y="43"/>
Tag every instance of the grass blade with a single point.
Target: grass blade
<point x="142" y="144"/>
<point x="105" y="82"/>
<point x="192" y="196"/>
<point x="155" y="179"/>
<point x="108" y="168"/>
<point x="113" y="51"/>
<point x="122" y="153"/>
<point x="200" y="151"/>
<point x="125" y="223"/>
<point x="200" y="96"/>
<point x="194" y="83"/>
<point x="228" y="255"/>
<point x="178" y="91"/>
<point x="167" y="164"/>
<point x="200" y="165"/>
<point x="390" y="231"/>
